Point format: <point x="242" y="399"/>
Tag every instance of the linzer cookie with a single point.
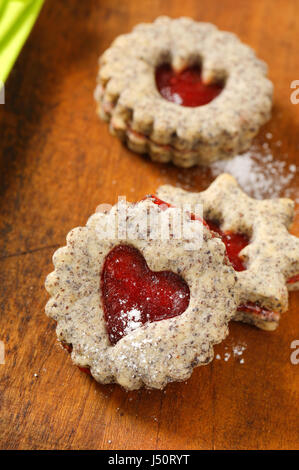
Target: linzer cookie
<point x="141" y="310"/>
<point x="183" y="91"/>
<point x="262" y="251"/>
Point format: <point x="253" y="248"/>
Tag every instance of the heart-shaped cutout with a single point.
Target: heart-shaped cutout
<point x="133" y="295"/>
<point x="186" y="87"/>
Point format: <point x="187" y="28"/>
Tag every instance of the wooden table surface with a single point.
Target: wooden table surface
<point x="58" y="162"/>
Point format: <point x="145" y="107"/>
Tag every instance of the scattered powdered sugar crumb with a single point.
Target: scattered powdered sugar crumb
<point x="259" y="173"/>
<point x="236" y="351"/>
<point x="226" y="356"/>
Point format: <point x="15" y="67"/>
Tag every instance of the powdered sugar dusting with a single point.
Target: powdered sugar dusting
<point x="266" y="171"/>
<point x="130" y="319"/>
<point x="133" y="320"/>
<point x="259" y="173"/>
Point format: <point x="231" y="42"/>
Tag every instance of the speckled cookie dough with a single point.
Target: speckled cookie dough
<point x="271" y="257"/>
<point x="155" y="353"/>
<point x="128" y="98"/>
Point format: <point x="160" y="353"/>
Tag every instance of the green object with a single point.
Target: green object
<point x="17" y="18"/>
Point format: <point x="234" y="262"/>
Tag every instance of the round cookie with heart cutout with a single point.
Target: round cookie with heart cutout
<point x="183" y="91"/>
<point x="136" y="302"/>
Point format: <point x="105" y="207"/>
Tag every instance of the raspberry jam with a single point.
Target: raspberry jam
<point x="256" y="309"/>
<point x="134" y="295"/>
<point x="293" y="279"/>
<point x="69" y="349"/>
<point x="185" y="88"/>
<point x="164" y="205"/>
<point x="234" y="243"/>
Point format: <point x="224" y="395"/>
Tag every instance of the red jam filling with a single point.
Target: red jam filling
<point x="186" y="87"/>
<point x="164" y="205"/>
<point x="293" y="279"/>
<point x="256" y="309"/>
<point x="234" y="243"/>
<point x="134" y="295"/>
<point x="69" y="349"/>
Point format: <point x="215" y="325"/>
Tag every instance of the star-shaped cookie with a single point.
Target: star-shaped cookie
<point x="271" y="257"/>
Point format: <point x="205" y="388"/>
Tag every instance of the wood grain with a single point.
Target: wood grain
<point x="58" y="162"/>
